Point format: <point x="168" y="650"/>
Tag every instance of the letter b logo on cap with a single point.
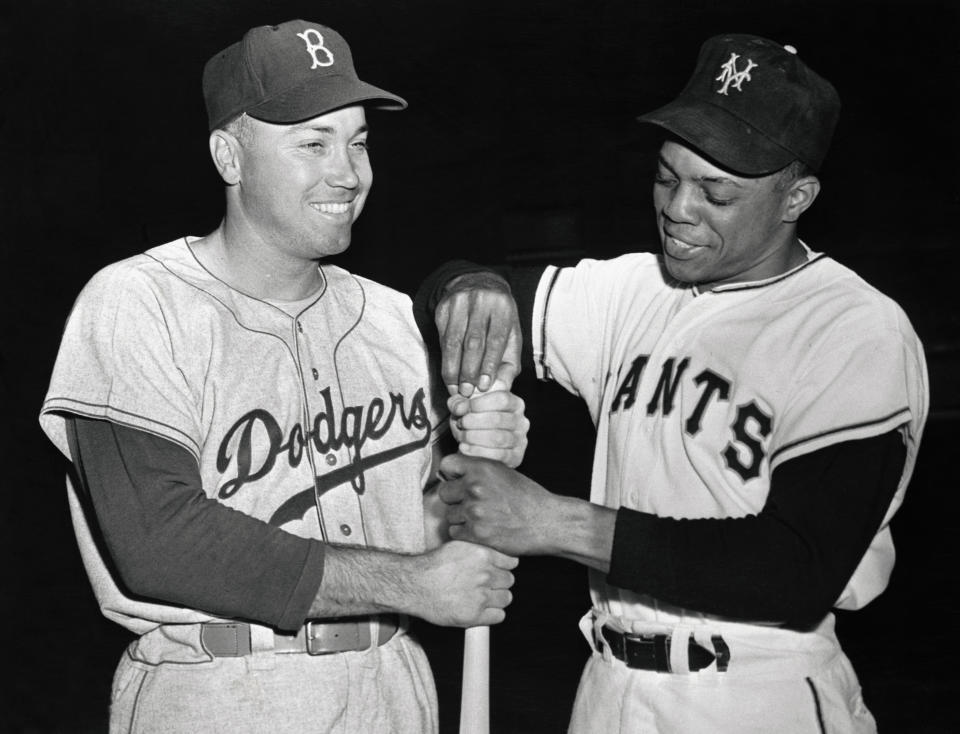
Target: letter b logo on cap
<point x="313" y="46"/>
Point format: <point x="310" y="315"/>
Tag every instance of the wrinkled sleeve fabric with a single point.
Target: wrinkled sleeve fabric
<point x="789" y="563"/>
<point x="170" y="542"/>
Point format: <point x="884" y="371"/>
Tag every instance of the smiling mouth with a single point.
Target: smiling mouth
<point x="680" y="246"/>
<point x="332" y="207"/>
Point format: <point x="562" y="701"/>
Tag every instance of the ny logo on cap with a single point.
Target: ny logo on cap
<point x="316" y="45"/>
<point x="731" y="76"/>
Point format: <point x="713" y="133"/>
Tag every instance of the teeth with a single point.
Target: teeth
<point x="332" y="208"/>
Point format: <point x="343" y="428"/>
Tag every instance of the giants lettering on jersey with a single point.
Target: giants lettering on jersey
<point x="256" y="440"/>
<point x="750" y="426"/>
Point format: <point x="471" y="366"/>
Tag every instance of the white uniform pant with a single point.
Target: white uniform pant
<point x="747" y="698"/>
<point x="382" y="689"/>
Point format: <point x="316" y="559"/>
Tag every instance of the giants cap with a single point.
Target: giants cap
<point x="284" y="74"/>
<point x="753" y="107"/>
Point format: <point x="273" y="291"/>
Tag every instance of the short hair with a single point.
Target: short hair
<point x="239" y="128"/>
<point x="792" y="172"/>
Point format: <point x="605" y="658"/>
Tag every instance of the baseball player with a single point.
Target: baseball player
<point x="758" y="409"/>
<point x="252" y="431"/>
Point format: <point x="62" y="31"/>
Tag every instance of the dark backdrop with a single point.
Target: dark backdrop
<point x="519" y="144"/>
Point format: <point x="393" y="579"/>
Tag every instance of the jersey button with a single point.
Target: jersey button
<point x="299" y="327"/>
<point x="331" y="459"/>
<point x="316" y="375"/>
<point x="345" y="529"/>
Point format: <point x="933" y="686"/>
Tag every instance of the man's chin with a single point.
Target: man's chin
<point x="681" y="270"/>
<point x="331" y="246"/>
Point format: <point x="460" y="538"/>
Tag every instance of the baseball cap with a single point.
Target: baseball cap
<point x="286" y="73"/>
<point x="753" y="106"/>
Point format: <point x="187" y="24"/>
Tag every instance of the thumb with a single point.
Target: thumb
<point x="453" y="466"/>
<point x="506" y="374"/>
<point x="504" y="379"/>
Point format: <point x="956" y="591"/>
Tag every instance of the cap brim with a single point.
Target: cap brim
<point x="323" y="95"/>
<point x="721" y="136"/>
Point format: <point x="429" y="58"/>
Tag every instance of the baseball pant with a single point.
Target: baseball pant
<point x="383" y="689"/>
<point x="759" y="693"/>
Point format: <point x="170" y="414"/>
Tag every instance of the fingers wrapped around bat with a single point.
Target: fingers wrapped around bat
<point x="453" y="466"/>
<point x="452" y="492"/>
<point x="462" y="340"/>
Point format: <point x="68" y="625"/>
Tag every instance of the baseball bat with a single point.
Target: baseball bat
<point x="475" y="691"/>
<point x="475" y="688"/>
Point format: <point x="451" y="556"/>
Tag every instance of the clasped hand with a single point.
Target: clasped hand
<point x="490" y="425"/>
<point x="494" y="505"/>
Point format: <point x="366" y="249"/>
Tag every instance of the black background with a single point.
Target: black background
<point x="519" y="144"/>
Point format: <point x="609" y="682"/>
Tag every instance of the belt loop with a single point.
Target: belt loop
<point x="599" y="620"/>
<point x="722" y="651"/>
<point x="586" y="628"/>
<point x="680" y="649"/>
<point x="373" y="629"/>
<point x="261" y="648"/>
<point x="261" y="638"/>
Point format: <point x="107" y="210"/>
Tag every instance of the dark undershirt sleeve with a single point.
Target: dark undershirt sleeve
<point x="789" y="563"/>
<point x="169" y="542"/>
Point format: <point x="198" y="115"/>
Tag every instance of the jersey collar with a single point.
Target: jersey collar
<point x="812" y="257"/>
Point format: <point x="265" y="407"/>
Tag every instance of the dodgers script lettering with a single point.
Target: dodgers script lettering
<point x="256" y="440"/>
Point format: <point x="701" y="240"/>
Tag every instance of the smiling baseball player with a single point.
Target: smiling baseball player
<point x="252" y="431"/>
<point x="758" y="406"/>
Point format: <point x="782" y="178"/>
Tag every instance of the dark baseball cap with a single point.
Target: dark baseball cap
<point x="753" y="107"/>
<point x="287" y="73"/>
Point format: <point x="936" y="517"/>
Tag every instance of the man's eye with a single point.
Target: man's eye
<point x="661" y="180"/>
<point x="361" y="145"/>
<point x="716" y="201"/>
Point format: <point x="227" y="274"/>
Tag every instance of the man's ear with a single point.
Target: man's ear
<point x="800" y="197"/>
<point x="226" y="152"/>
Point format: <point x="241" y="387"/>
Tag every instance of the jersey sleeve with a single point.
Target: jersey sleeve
<point x="117" y="362"/>
<point x="578" y="312"/>
<point x="864" y="377"/>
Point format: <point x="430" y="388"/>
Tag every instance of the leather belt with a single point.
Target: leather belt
<point x="652" y="652"/>
<point x="315" y="637"/>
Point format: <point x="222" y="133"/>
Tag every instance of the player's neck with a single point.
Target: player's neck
<point x="247" y="265"/>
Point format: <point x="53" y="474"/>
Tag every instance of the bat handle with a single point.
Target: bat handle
<point x="475" y="693"/>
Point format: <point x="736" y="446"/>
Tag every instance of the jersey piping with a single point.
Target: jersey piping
<point x="899" y="417"/>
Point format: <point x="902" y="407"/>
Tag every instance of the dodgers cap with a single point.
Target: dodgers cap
<point x="753" y="106"/>
<point x="286" y="73"/>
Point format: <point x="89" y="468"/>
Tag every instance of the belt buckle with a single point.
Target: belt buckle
<point x="651" y="648"/>
<point x="337" y="637"/>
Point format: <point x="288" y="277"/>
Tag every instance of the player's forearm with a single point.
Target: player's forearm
<point x="361" y="581"/>
<point x="581" y="531"/>
<point x="457" y="584"/>
<point x="369" y="581"/>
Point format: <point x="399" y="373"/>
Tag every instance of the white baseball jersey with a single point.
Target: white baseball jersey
<point x="319" y="422"/>
<point x="698" y="397"/>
